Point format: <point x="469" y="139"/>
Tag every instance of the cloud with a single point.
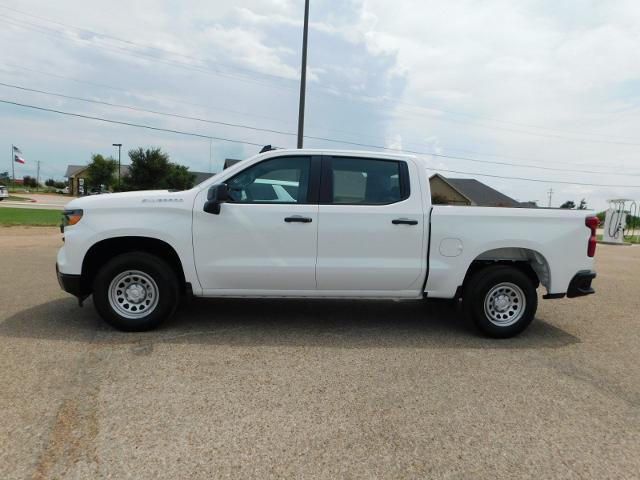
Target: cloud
<point x="525" y="82"/>
<point x="249" y="47"/>
<point x="483" y="69"/>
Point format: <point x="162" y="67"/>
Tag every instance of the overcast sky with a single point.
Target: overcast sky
<point x="547" y="84"/>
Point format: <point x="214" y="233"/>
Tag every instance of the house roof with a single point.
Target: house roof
<point x="230" y="161"/>
<point x="201" y="176"/>
<point x="481" y="194"/>
<point x="74" y="170"/>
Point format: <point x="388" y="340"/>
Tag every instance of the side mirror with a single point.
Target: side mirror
<point x="217" y="195"/>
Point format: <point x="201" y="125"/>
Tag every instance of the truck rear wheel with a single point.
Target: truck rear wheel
<point x="135" y="291"/>
<point x="501" y="300"/>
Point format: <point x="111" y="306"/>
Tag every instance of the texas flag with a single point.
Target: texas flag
<point x="17" y="157"/>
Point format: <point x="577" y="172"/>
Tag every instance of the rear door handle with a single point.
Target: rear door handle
<point x="297" y="218"/>
<point x="404" y="221"/>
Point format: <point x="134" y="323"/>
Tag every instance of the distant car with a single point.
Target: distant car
<point x="4" y="192"/>
<point x="63" y="191"/>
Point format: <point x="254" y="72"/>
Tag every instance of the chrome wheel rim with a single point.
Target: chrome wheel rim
<point x="133" y="294"/>
<point x="505" y="304"/>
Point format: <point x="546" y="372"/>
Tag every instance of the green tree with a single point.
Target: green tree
<point x="180" y="178"/>
<point x="29" y="181"/>
<point x="568" y="204"/>
<point x="151" y="169"/>
<point x="101" y="171"/>
<point x="583" y="205"/>
<point x="50" y="182"/>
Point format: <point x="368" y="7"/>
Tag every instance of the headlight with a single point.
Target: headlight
<point x="70" y="217"/>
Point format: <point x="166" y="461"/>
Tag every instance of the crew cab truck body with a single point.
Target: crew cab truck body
<point x="312" y="223"/>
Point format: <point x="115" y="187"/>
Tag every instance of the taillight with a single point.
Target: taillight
<point x="592" y="223"/>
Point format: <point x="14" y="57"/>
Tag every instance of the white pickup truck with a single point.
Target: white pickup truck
<point x="310" y="223"/>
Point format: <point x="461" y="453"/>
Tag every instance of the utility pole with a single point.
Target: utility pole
<point x="303" y="75"/>
<point x="119" y="145"/>
<point x="210" y="148"/>
<point x="38" y="177"/>
<point x="550" y="192"/>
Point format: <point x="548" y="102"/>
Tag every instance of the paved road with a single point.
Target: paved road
<point x="39" y="200"/>
<point x="315" y="389"/>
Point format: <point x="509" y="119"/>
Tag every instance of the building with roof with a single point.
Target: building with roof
<point x="468" y="191"/>
<point x="76" y="175"/>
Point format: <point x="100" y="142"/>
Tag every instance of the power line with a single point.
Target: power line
<point x="179" y="132"/>
<point x="132" y="43"/>
<point x="129" y="92"/>
<point x="207" y="71"/>
<point x="325" y="139"/>
<point x="469" y="159"/>
<point x="524" y="132"/>
<point x="256" y="115"/>
<point x="330" y="90"/>
<point x="129" y="124"/>
<point x="138" y="109"/>
<point x="506" y="122"/>
<point x="539" y="180"/>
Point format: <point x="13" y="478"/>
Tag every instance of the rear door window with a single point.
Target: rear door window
<point x="363" y="181"/>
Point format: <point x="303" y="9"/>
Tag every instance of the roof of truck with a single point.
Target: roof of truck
<point x="325" y="151"/>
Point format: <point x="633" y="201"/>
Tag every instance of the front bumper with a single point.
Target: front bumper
<point x="71" y="284"/>
<point x="580" y="284"/>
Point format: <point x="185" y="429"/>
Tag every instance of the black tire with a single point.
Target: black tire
<point x="153" y="270"/>
<point x="495" y="316"/>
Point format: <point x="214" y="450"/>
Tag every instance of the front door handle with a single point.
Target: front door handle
<point x="404" y="221"/>
<point x="297" y="218"/>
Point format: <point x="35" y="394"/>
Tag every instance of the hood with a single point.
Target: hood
<point x="124" y="199"/>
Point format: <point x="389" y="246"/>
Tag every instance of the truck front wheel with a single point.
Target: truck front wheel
<point x="135" y="291"/>
<point x="501" y="300"/>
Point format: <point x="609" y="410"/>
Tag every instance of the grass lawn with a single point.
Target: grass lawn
<point x="18" y="199"/>
<point x="29" y="216"/>
<point x="635" y="239"/>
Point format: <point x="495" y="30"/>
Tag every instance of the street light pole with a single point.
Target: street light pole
<point x="119" y="145"/>
<point x="303" y="75"/>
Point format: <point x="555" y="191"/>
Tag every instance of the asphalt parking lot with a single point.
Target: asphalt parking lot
<point x="315" y="389"/>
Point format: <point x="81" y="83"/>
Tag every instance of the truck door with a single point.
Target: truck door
<point x="371" y="229"/>
<point x="265" y="237"/>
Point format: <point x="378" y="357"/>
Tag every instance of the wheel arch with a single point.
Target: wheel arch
<point x="531" y="262"/>
<point x="105" y="249"/>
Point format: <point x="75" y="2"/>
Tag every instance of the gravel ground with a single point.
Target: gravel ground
<point x="315" y="389"/>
